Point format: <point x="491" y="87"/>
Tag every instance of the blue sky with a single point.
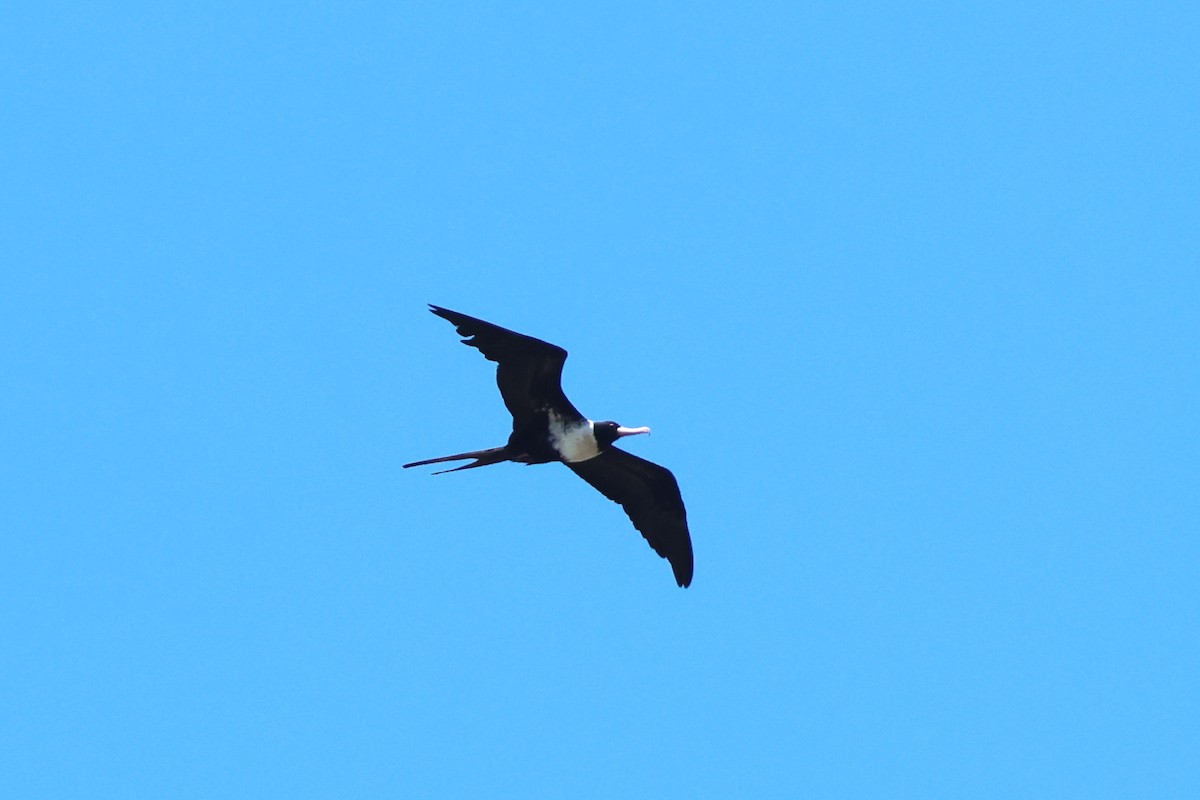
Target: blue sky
<point x="907" y="292"/>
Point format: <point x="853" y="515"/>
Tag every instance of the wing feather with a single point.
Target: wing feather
<point x="528" y="371"/>
<point x="650" y="496"/>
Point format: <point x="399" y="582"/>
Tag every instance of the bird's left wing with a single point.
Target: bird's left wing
<point x="650" y="496"/>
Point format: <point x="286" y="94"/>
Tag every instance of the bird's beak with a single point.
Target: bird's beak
<point x="630" y="431"/>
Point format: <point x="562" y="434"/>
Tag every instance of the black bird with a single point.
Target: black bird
<point x="547" y="428"/>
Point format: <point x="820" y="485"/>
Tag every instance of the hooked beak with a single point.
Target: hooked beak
<point x="630" y="431"/>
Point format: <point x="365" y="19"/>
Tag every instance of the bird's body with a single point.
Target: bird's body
<point x="547" y="428"/>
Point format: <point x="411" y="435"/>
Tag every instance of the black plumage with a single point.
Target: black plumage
<point x="547" y="428"/>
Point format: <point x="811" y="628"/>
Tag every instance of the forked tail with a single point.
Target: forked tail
<point x="483" y="458"/>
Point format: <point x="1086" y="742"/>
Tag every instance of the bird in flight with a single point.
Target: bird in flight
<point x="548" y="428"/>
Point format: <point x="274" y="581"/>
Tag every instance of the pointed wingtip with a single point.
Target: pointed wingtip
<point x="683" y="565"/>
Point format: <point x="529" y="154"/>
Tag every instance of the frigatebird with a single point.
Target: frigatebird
<point x="547" y="428"/>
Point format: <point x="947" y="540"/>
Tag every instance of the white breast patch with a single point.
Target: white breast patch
<point x="573" y="442"/>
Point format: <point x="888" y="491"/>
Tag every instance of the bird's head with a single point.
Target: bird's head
<point x="608" y="432"/>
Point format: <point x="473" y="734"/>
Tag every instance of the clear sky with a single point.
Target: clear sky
<point x="909" y="293"/>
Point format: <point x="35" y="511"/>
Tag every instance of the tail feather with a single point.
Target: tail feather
<point x="483" y="458"/>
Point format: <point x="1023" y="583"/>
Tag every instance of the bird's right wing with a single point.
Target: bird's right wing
<point x="528" y="372"/>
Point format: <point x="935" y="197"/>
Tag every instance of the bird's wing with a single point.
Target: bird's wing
<point x="528" y="372"/>
<point x="650" y="496"/>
